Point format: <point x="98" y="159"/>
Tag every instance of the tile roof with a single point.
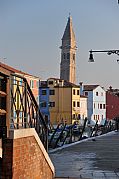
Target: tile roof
<point x="66" y="83"/>
<point x="82" y="96"/>
<point x="9" y="68"/>
<point x="69" y="84"/>
<point x="13" y="70"/>
<point x="90" y="87"/>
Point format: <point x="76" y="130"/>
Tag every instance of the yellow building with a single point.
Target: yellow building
<point x="64" y="98"/>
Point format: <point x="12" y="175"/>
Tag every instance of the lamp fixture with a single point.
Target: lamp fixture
<point x="109" y="52"/>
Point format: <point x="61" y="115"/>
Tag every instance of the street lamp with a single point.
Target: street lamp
<point x="109" y="52"/>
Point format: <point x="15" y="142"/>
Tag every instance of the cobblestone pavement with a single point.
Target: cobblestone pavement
<point x="92" y="159"/>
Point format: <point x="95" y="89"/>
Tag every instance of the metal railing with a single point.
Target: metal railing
<point x="25" y="111"/>
<point x="66" y="134"/>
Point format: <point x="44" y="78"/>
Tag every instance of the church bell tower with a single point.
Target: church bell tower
<point x="68" y="54"/>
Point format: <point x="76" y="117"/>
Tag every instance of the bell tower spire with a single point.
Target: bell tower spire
<point x="68" y="53"/>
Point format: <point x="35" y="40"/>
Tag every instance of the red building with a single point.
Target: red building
<point x="112" y="104"/>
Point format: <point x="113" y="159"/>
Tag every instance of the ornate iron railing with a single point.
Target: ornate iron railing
<point x="25" y="111"/>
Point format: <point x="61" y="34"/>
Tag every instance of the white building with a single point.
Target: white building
<point x="83" y="108"/>
<point x="96" y="102"/>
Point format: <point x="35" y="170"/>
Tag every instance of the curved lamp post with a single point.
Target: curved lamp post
<point x="109" y="52"/>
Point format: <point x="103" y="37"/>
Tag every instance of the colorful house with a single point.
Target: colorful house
<point x="64" y="101"/>
<point x="96" y="98"/>
<point x="112" y="103"/>
<point x="17" y="86"/>
<point x="44" y="100"/>
<point x="33" y="82"/>
<point x="83" y="108"/>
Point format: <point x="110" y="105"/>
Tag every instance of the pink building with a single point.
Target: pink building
<point x="33" y="81"/>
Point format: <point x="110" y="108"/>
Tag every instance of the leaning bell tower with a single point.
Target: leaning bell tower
<point x="68" y="54"/>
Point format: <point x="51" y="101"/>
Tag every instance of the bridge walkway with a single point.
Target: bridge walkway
<point x="90" y="159"/>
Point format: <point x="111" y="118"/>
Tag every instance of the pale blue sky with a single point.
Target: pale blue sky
<point x="31" y="32"/>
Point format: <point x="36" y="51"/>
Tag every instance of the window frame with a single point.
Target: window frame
<point x="44" y="90"/>
<point x="74" y="103"/>
<point x="78" y="104"/>
<point x="51" y="92"/>
<point x="78" y="93"/>
<point x="74" y="92"/>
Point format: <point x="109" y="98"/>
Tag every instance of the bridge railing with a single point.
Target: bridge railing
<point x="25" y="111"/>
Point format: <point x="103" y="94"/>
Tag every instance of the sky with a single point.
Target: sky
<point x="31" y="32"/>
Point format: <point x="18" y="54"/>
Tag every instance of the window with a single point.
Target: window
<point x="44" y="92"/>
<point x="98" y="117"/>
<point x="37" y="84"/>
<point x="64" y="56"/>
<point x="74" y="104"/>
<point x="43" y="104"/>
<point x="78" y="104"/>
<point x="77" y="92"/>
<point x="20" y="82"/>
<point x="94" y="105"/>
<point x="79" y="116"/>
<point x="101" y="93"/>
<point x="52" y="92"/>
<point x="50" y="82"/>
<point x="86" y="93"/>
<point x="73" y="91"/>
<point x="94" y="117"/>
<point x="102" y="116"/>
<point x="103" y="106"/>
<point x="73" y="56"/>
<point x="31" y="83"/>
<point x="73" y="116"/>
<point x="100" y="106"/>
<point x="96" y="93"/>
<point x="68" y="56"/>
<point x="52" y="104"/>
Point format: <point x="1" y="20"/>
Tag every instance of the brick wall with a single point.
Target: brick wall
<point x="24" y="159"/>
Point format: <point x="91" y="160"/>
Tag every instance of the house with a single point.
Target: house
<point x="112" y="103"/>
<point x="44" y="100"/>
<point x="83" y="108"/>
<point x="32" y="80"/>
<point x="17" y="91"/>
<point x="96" y="102"/>
<point x="64" y="101"/>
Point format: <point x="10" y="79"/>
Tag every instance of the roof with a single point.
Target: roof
<point x="69" y="84"/>
<point x="69" y="33"/>
<point x="90" y="87"/>
<point x="66" y="83"/>
<point x="13" y="70"/>
<point x="82" y="96"/>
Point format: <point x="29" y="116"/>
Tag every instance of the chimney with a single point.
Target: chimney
<point x="81" y="88"/>
<point x="110" y="88"/>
